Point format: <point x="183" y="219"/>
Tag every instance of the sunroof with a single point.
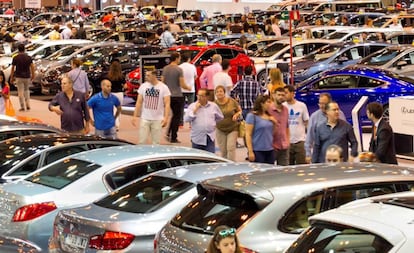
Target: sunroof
<point x="407" y="202"/>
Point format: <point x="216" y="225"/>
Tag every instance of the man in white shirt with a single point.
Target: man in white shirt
<point x="298" y="120"/>
<point x="67" y="32"/>
<point x="190" y="75"/>
<point x="223" y="78"/>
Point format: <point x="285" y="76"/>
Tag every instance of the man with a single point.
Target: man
<point x="334" y="131"/>
<point x="153" y="106"/>
<point x="298" y="120"/>
<point x="102" y="105"/>
<point x="190" y="75"/>
<point x="333" y="154"/>
<point x="246" y="91"/>
<point x="67" y="32"/>
<point x="174" y="28"/>
<point x="172" y="76"/>
<point x="71" y="106"/>
<point x="382" y="138"/>
<point x="281" y="132"/>
<point x="81" y="34"/>
<point x="167" y="40"/>
<point x="23" y="71"/>
<point x="203" y="116"/>
<point x="206" y="78"/>
<point x="223" y="78"/>
<point x="79" y="77"/>
<point x="315" y="119"/>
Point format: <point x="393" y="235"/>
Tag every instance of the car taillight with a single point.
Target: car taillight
<point x="246" y="250"/>
<point x="33" y="211"/>
<point x="111" y="241"/>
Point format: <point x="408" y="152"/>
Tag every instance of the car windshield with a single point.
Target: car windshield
<point x="146" y="195"/>
<point x="209" y="210"/>
<point x="63" y="173"/>
<point x="63" y="53"/>
<point x="336" y="35"/>
<point x="270" y="50"/>
<point x="192" y="53"/>
<point x="326" y="237"/>
<point x="382" y="57"/>
<point x="323" y="53"/>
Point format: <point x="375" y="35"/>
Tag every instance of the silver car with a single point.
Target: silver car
<point x="136" y="211"/>
<point x="377" y="224"/>
<point x="30" y="205"/>
<point x="11" y="128"/>
<point x="270" y="208"/>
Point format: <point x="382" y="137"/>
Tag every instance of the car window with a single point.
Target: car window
<point x="366" y="82"/>
<point x="339" y="238"/>
<point x="63" y="173"/>
<point x="30" y="132"/>
<point x="296" y="219"/>
<point x="207" y="56"/>
<point x="145" y="195"/>
<point x="27" y="168"/>
<point x="59" y="153"/>
<point x="214" y="208"/>
<point x="226" y="53"/>
<point x="407" y="58"/>
<point x="337" y="82"/>
<point x="348" y="194"/>
<point x="8" y="135"/>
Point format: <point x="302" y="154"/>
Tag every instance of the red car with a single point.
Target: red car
<point x="201" y="57"/>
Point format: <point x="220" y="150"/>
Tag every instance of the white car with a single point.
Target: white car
<point x="279" y="52"/>
<point x="378" y="224"/>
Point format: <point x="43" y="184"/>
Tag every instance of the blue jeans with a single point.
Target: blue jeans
<point x="109" y="133"/>
<point x="211" y="147"/>
<point x="265" y="156"/>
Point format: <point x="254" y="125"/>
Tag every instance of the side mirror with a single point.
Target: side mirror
<point x="401" y="64"/>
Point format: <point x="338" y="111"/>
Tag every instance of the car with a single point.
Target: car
<point x="38" y="51"/>
<point x="13" y="245"/>
<point x="148" y="203"/>
<point x="22" y="155"/>
<point x="279" y="52"/>
<point x="358" y="34"/>
<point x="97" y="63"/>
<point x="169" y="11"/>
<point x="12" y="128"/>
<point x="33" y="202"/>
<point x="348" y="85"/>
<point x="60" y="62"/>
<point x="401" y="38"/>
<point x="398" y="59"/>
<point x="376" y="224"/>
<point x="200" y="57"/>
<point x="269" y="208"/>
<point x="333" y="56"/>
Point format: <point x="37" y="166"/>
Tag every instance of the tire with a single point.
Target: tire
<point x="261" y="79"/>
<point x="386" y="113"/>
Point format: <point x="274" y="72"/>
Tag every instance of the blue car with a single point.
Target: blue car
<point x="348" y="85"/>
<point x="333" y="56"/>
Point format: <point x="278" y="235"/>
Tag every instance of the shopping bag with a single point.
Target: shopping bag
<point x="9" y="108"/>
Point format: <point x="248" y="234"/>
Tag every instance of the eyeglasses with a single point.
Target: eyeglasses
<point x="227" y="232"/>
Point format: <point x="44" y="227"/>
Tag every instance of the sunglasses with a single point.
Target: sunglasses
<point x="227" y="232"/>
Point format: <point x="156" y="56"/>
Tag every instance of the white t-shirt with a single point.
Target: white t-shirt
<point x="189" y="74"/>
<point x="298" y="114"/>
<point x="222" y="78"/>
<point x="153" y="100"/>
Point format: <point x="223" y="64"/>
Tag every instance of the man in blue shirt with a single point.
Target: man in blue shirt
<point x="102" y="105"/>
<point x="334" y="131"/>
<point x="203" y="116"/>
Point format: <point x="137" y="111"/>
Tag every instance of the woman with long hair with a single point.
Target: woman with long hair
<point x="117" y="79"/>
<point x="276" y="80"/>
<point x="259" y="132"/>
<point x="224" y="240"/>
<point x="227" y="129"/>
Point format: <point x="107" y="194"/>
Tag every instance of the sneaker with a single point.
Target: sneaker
<point x="175" y="141"/>
<point x="28" y="108"/>
<point x="21" y="110"/>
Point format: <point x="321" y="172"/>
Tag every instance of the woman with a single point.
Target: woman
<point x="224" y="240"/>
<point x="276" y="80"/>
<point x="259" y="132"/>
<point x="4" y="92"/>
<point x="117" y="79"/>
<point x="227" y="129"/>
<point x="79" y="77"/>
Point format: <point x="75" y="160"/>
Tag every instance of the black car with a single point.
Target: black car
<point x="97" y="63"/>
<point x="22" y="155"/>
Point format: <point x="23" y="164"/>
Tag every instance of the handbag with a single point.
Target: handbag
<point x="9" y="108"/>
<point x="242" y="129"/>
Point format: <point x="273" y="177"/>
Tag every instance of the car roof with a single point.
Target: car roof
<point x="105" y="156"/>
<point x="6" y="125"/>
<point x="204" y="47"/>
<point x="390" y="216"/>
<point x="257" y="183"/>
<point x="59" y="42"/>
<point x="54" y="139"/>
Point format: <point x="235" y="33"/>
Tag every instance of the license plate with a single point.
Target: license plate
<point x="76" y="241"/>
